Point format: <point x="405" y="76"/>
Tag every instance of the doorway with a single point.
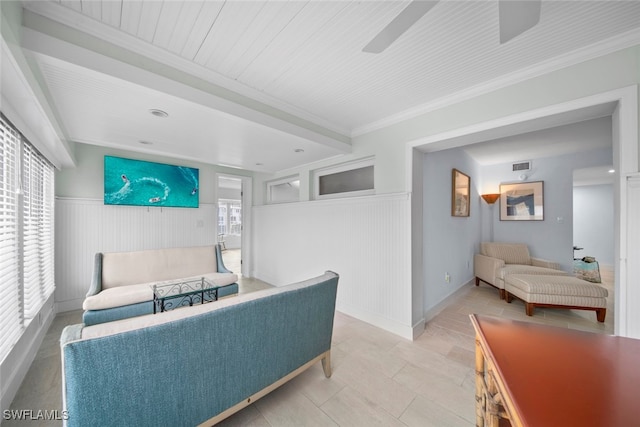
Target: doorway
<point x="622" y="106"/>
<point x="594" y="227"/>
<point x="234" y="205"/>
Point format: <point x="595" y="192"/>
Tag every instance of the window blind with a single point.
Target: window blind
<point x="10" y="310"/>
<point x="37" y="206"/>
<point x="26" y="234"/>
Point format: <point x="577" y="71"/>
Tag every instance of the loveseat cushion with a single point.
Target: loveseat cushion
<point x="133" y="294"/>
<point x="117" y="297"/>
<point x="132" y="268"/>
<point x="511" y="253"/>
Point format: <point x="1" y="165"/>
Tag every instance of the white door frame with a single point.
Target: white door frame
<point x="626" y="162"/>
<point x="247" y="203"/>
<point x="247" y="220"/>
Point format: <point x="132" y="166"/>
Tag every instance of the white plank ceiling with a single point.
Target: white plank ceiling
<point x="301" y="59"/>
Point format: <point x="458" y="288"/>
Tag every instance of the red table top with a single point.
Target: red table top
<point x="563" y="377"/>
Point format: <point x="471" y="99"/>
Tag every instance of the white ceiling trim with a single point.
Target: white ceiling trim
<point x="621" y="101"/>
<point x="574" y="111"/>
<point x="90" y="96"/>
<point x="613" y="44"/>
<point x="46" y="45"/>
<point x="575" y="137"/>
<point x="28" y="113"/>
<point x="74" y="19"/>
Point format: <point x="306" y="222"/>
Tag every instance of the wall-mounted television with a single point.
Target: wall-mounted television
<point x="142" y="183"/>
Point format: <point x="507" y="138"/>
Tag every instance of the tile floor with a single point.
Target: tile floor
<point x="378" y="378"/>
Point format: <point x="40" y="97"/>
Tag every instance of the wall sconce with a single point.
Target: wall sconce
<point x="491" y="198"/>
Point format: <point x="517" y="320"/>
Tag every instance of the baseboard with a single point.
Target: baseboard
<point x="266" y="278"/>
<point x="418" y="328"/>
<point x="70" y="305"/>
<point x="435" y="310"/>
<point x="390" y="325"/>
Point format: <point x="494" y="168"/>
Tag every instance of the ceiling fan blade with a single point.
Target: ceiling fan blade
<point x="517" y="16"/>
<point x="401" y="23"/>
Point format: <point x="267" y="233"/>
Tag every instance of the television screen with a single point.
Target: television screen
<point x="141" y="183"/>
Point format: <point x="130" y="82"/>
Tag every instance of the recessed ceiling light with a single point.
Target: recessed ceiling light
<point x="612" y="170"/>
<point x="159" y="113"/>
<point x="146" y="142"/>
<point x="298" y="150"/>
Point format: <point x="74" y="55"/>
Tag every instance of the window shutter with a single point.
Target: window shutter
<point x="37" y="205"/>
<point x="10" y="317"/>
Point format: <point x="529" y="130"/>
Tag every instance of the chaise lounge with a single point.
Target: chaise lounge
<point x="537" y="282"/>
<point x="497" y="260"/>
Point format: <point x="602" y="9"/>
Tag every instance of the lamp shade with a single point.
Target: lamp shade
<point x="491" y="198"/>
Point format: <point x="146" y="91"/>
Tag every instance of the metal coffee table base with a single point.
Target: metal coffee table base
<point x="182" y="294"/>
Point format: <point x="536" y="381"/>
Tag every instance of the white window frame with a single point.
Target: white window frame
<point x="343" y="167"/>
<point x="280" y="181"/>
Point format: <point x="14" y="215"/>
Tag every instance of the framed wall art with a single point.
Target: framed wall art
<point x="141" y="183"/>
<point x="460" y="192"/>
<point x="522" y="201"/>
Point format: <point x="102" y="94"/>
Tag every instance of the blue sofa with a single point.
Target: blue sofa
<point x="196" y="365"/>
<point x="122" y="282"/>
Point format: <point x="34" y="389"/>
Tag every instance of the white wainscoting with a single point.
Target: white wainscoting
<point x="84" y="227"/>
<point x="366" y="240"/>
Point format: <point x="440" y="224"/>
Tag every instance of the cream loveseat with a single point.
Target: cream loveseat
<point x="122" y="281"/>
<point x="498" y="260"/>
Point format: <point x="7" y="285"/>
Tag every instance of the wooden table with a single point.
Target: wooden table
<point x="543" y="376"/>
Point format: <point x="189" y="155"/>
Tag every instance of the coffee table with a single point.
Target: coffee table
<point x="183" y="293"/>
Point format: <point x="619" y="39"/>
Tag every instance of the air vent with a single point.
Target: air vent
<point x="521" y="166"/>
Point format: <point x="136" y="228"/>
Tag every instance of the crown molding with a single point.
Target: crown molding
<point x="613" y="44"/>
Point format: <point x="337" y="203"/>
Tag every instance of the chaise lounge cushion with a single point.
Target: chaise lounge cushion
<point x="557" y="291"/>
<point x="133" y="294"/>
<point x="528" y="269"/>
<point x="510" y="253"/>
<point x="568" y="287"/>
